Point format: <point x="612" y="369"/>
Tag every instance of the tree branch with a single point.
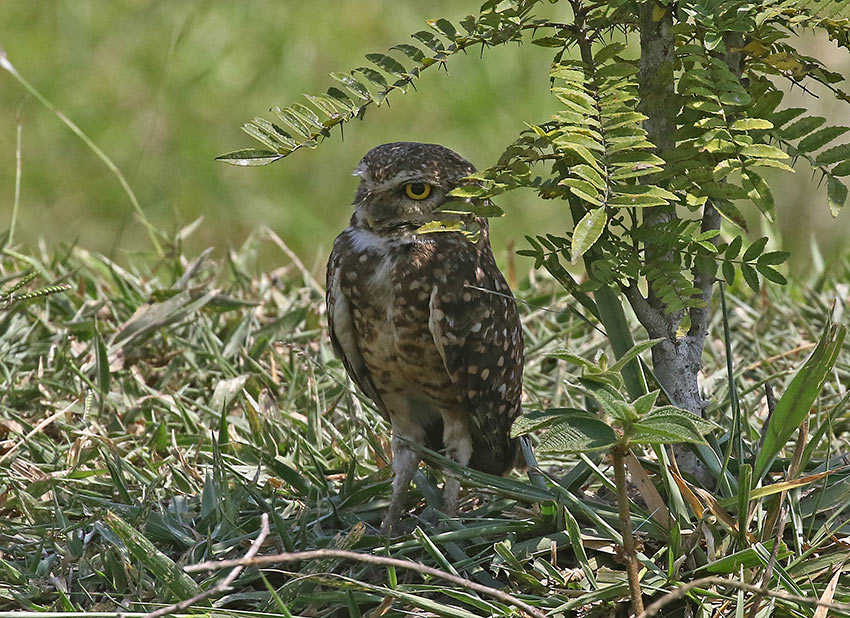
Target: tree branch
<point x="704" y="270"/>
<point x="224" y="585"/>
<point x="342" y="554"/>
<point x="683" y="590"/>
<point x="651" y="318"/>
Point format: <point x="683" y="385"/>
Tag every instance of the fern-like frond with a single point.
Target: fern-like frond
<point x="298" y="126"/>
<point x="596" y="143"/>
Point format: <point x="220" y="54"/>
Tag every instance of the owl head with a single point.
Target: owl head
<point x="403" y="183"/>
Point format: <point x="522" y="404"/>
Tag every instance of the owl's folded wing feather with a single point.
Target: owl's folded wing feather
<point x="476" y="328"/>
<point x="344" y="336"/>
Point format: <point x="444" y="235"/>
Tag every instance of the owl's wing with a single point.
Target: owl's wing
<point x="476" y="328"/>
<point x="343" y="334"/>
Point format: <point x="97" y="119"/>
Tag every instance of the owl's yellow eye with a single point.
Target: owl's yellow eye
<point x="417" y="190"/>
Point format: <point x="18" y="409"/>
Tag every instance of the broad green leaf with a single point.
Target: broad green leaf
<point x="728" y="272"/>
<point x="622" y="119"/>
<point x="538" y="419"/>
<point x="773" y="257"/>
<point x="723" y="191"/>
<point x="785" y="116"/>
<point x="584" y="101"/>
<point x="833" y="155"/>
<point x="836" y="193"/>
<point x="411" y="51"/>
<point x="583" y="190"/>
<point x="548" y="41"/>
<point x="587" y="232"/>
<point x="755" y="249"/>
<point x="774" y="163"/>
<point x="328" y="105"/>
<point x="353" y="85"/>
<point x="440" y="226"/>
<point x="750" y="124"/>
<point x="771" y="274"/>
<point x="373" y="76"/>
<point x="750" y="277"/>
<point x="842" y="169"/>
<point x="763" y="151"/>
<point x="588" y="174"/>
<point x="637" y="201"/>
<point x="730" y="212"/>
<point x="665" y="429"/>
<point x="607" y="52"/>
<point x="802" y="127"/>
<point x="580" y="434"/>
<point x="465" y="191"/>
<point x="653" y="190"/>
<point x="568" y="356"/>
<point x="724" y="168"/>
<point x="581" y="152"/>
<point x="702" y="425"/>
<point x="293" y="120"/>
<point x="271" y="135"/>
<point x="644" y="403"/>
<point x="820" y="138"/>
<point x="799" y="396"/>
<point x="734" y="248"/>
<point x="479" y="208"/>
<point x="387" y="63"/>
<point x="609" y="399"/>
<point x="633" y="352"/>
<point x="430" y="40"/>
<point x="445" y="27"/>
<point x="759" y="192"/>
<point x="739" y="98"/>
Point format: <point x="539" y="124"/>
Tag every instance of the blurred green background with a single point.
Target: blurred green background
<point x="163" y="87"/>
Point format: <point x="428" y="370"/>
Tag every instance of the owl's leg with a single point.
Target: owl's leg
<point x="459" y="448"/>
<point x="405" y="464"/>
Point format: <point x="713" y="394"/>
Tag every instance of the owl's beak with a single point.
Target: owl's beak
<point x="362" y="171"/>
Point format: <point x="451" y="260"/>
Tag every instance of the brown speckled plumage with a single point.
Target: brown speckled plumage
<point x="441" y="358"/>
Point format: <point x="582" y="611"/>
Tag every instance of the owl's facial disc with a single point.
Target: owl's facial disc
<point x="403" y="183"/>
<point x="407" y="198"/>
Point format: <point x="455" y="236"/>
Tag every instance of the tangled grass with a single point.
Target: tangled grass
<point x="150" y="417"/>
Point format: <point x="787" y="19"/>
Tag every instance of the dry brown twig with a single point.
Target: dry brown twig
<point x="341" y="554"/>
<point x="224" y="585"/>
<point x="680" y="592"/>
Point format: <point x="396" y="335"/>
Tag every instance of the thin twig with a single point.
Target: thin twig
<point x="771" y="564"/>
<point x="619" y="452"/>
<point x="6" y="65"/>
<point x="370" y="559"/>
<point x="781" y="355"/>
<point x="680" y="592"/>
<point x="308" y="276"/>
<point x="44" y="423"/>
<point x="16" y="203"/>
<point x="224" y="585"/>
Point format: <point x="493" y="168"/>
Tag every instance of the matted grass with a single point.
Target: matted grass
<point x="149" y="418"/>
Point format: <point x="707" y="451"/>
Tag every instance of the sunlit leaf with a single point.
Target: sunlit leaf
<point x="250" y="157"/>
<point x="587" y="232"/>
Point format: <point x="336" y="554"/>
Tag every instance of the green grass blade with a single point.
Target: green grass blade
<point x="799" y="396"/>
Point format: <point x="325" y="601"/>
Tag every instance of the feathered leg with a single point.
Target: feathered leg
<point x="405" y="464"/>
<point x="459" y="448"/>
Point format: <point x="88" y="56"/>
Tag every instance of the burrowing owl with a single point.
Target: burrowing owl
<point x="424" y="323"/>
